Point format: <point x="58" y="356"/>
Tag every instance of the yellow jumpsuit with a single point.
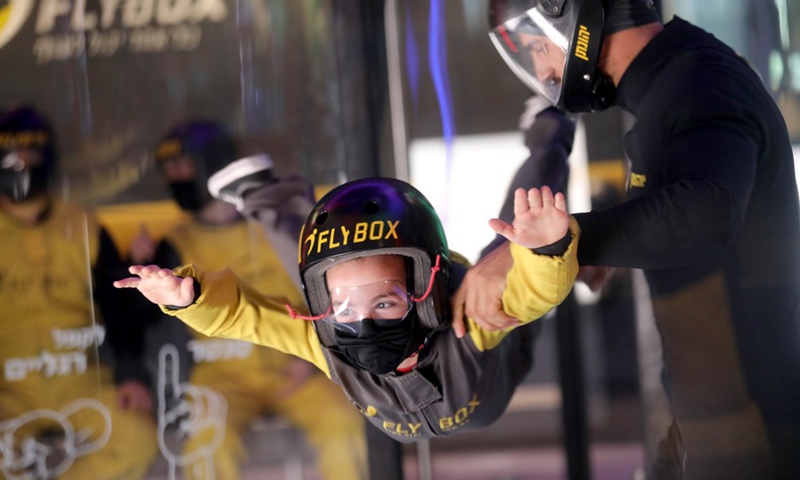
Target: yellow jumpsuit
<point x="55" y="388"/>
<point x="256" y="380"/>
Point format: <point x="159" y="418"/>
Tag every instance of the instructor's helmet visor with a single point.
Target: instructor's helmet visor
<point x="535" y="48"/>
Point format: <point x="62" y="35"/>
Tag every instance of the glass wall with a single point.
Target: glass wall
<point x="99" y="383"/>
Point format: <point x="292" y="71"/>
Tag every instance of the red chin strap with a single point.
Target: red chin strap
<point x="294" y="314"/>
<point x="436" y="268"/>
<point x="427" y="293"/>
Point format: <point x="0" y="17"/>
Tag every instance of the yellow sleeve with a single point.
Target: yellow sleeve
<point x="535" y="284"/>
<point x="229" y="308"/>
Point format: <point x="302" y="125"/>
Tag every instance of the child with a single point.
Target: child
<point x="378" y="278"/>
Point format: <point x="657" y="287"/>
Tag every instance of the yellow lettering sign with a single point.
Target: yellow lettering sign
<point x="376" y="231"/>
<point x="23" y="139"/>
<point x="323" y="239"/>
<point x="392" y="230"/>
<point x="332" y="238"/>
<point x="360" y="233"/>
<point x="333" y="242"/>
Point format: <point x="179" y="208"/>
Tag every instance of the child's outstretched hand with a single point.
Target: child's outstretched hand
<point x="540" y="218"/>
<point x="160" y="285"/>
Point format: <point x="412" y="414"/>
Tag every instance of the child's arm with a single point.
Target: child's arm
<point x="226" y="308"/>
<point x="541" y="219"/>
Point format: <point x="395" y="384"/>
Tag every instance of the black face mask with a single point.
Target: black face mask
<point x="187" y="195"/>
<point x="381" y="346"/>
<point x="22" y="185"/>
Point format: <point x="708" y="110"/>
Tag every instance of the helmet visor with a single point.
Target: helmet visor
<point x="535" y="47"/>
<point x="381" y="302"/>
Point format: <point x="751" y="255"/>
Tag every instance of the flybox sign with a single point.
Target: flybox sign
<point x="65" y="29"/>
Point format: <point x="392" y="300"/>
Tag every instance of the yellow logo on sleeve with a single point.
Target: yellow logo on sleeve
<point x="638" y="180"/>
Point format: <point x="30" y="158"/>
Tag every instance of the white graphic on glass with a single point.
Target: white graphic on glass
<point x="44" y="443"/>
<point x="192" y="412"/>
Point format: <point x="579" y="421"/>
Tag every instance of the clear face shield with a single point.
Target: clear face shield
<point x="384" y="303"/>
<point x="535" y="47"/>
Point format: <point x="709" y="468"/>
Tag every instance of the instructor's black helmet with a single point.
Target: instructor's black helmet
<point x="376" y="216"/>
<point x="553" y="45"/>
<point x="208" y="145"/>
<point x="27" y="153"/>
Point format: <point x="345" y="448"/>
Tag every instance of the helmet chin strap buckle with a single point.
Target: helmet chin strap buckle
<point x="603" y="93"/>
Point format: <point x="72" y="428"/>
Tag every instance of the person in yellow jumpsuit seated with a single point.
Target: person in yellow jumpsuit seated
<point x="61" y="414"/>
<point x="254" y="381"/>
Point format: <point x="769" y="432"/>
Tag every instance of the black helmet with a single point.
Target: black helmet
<point x="25" y="129"/>
<point x="376" y="216"/>
<point x="553" y="47"/>
<point x="211" y="148"/>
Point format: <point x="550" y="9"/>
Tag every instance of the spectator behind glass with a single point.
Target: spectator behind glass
<point x="66" y="414"/>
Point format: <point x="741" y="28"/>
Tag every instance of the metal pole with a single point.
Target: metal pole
<point x="573" y="390"/>
<point x="384" y="454"/>
<point x="396" y="106"/>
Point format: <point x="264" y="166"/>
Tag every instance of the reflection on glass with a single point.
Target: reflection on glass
<point x="60" y="413"/>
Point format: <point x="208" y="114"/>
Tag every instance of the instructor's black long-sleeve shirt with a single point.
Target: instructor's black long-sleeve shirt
<point x="712" y="190"/>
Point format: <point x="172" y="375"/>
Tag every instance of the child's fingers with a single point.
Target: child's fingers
<point x="520" y="202"/>
<point x="547" y="197"/>
<point x="130" y="282"/>
<point x="165" y="272"/>
<point x="534" y="198"/>
<point x="561" y="202"/>
<point x="501" y="228"/>
<point x="149" y="270"/>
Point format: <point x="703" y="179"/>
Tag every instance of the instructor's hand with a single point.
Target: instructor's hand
<point x="481" y="293"/>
